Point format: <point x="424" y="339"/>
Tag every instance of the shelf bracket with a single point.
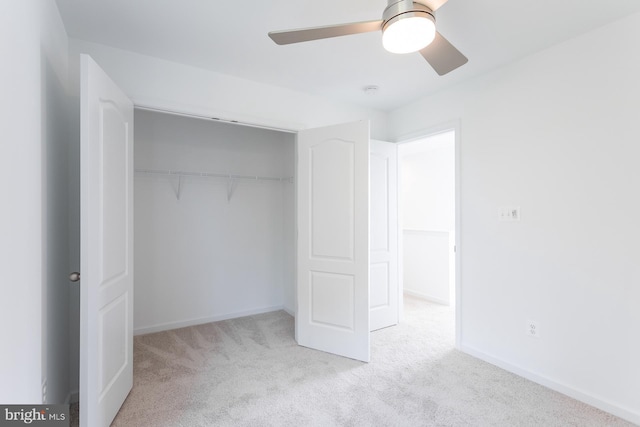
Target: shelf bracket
<point x="179" y="188"/>
<point x="231" y="184"/>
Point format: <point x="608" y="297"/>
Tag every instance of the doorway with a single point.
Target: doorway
<point x="427" y="217"/>
<point x="214" y="221"/>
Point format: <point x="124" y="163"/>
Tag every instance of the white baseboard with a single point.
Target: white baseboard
<point x="589" y="399"/>
<point x="199" y="321"/>
<point x="426" y="297"/>
<point x="289" y="311"/>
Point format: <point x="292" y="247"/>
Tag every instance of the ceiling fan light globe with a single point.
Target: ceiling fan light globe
<point x="408" y="34"/>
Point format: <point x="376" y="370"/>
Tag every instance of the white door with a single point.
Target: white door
<point x="384" y="297"/>
<point x="333" y="239"/>
<point x="106" y="293"/>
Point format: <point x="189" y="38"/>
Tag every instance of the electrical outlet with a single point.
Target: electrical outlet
<point x="533" y="328"/>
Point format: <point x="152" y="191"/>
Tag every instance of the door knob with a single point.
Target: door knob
<point x="74" y="277"/>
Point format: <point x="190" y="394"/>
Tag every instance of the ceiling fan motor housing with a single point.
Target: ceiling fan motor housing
<point x="401" y="9"/>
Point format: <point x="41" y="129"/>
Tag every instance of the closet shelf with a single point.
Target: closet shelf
<point x="212" y="175"/>
<point x="232" y="179"/>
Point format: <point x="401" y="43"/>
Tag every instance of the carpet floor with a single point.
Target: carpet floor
<point x="251" y="372"/>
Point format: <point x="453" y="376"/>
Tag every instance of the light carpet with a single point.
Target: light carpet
<point x="251" y="372"/>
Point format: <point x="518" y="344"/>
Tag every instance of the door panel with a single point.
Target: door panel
<point x="332" y="300"/>
<point x="380" y="295"/>
<point x="333" y="240"/>
<point x="106" y="293"/>
<point x="384" y="235"/>
<point x="332" y="179"/>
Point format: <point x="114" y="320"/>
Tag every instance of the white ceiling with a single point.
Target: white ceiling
<point x="231" y="37"/>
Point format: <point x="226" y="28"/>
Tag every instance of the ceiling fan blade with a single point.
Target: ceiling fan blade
<point x="432" y="4"/>
<point x="443" y="56"/>
<point x="316" y="33"/>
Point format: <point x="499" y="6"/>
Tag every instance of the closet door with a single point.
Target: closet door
<point x="106" y="293"/>
<point x="333" y="239"/>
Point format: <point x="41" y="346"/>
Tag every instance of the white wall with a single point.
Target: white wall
<point x="34" y="247"/>
<point x="150" y="81"/>
<point x="203" y="258"/>
<point x="428" y="183"/>
<point x="557" y="135"/>
<point x="428" y="216"/>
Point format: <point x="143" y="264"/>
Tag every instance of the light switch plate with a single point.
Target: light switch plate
<point x="509" y="213"/>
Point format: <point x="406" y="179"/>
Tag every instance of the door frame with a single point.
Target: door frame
<point x="454" y="125"/>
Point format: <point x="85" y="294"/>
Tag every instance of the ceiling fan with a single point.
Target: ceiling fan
<point x="406" y="25"/>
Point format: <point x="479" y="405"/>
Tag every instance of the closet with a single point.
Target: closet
<point x="214" y="221"/>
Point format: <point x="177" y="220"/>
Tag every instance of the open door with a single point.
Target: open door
<point x="106" y="293"/>
<point x="333" y="239"/>
<point x="385" y="301"/>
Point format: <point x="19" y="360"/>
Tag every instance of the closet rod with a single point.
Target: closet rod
<point x="212" y="175"/>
